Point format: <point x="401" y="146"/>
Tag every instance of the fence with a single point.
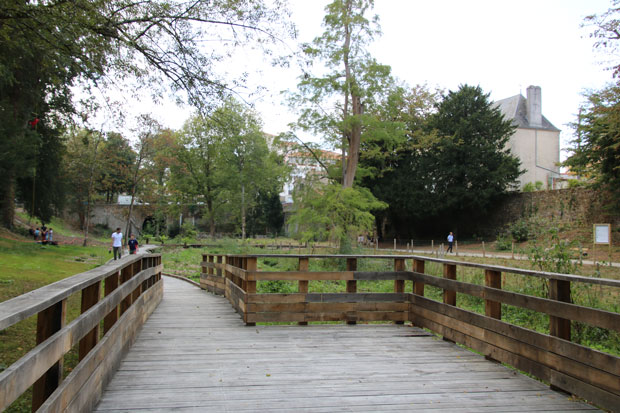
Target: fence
<point x="132" y="290"/>
<point x="568" y="366"/>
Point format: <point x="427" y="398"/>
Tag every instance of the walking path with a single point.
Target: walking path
<point x="195" y="354"/>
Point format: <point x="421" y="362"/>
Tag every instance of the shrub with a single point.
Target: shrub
<point x="520" y="231"/>
<point x="503" y="242"/>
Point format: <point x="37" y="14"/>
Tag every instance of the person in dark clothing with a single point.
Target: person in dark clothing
<point x="133" y="244"/>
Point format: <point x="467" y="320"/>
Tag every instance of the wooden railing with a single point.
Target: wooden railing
<point x="576" y="369"/>
<point x="131" y="289"/>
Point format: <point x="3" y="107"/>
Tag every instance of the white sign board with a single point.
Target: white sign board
<point x="602" y="233"/>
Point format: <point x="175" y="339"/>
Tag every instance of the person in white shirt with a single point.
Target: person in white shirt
<point x="450" y="242"/>
<point x="117" y="243"/>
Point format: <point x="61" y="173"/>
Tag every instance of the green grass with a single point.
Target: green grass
<point x="61" y="227"/>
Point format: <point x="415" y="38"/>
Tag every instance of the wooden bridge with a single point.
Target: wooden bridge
<point x="197" y="352"/>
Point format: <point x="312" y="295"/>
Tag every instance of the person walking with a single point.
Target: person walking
<point x="117" y="243"/>
<point x="133" y="245"/>
<point x="450" y="242"/>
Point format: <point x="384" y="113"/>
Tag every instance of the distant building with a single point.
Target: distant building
<point x="304" y="165"/>
<point x="536" y="142"/>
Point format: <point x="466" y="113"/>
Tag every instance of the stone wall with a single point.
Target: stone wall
<point x="578" y="206"/>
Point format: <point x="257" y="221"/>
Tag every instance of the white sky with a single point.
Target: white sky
<point x="503" y="46"/>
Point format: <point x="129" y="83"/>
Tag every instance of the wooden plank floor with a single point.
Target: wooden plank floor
<point x="195" y="354"/>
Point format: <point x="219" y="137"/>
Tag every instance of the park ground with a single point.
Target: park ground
<point x="27" y="265"/>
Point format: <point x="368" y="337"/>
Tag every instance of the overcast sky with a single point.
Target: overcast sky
<point x="503" y="46"/>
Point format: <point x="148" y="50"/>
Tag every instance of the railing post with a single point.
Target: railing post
<point x="90" y="297"/>
<point x="126" y="274"/>
<point x="449" y="296"/>
<point x="418" y="286"/>
<point x="110" y="284"/>
<point x="449" y="272"/>
<point x="559" y="290"/>
<point x="136" y="267"/>
<point x="250" y="286"/>
<point x="302" y="288"/>
<point x="493" y="279"/>
<point x="219" y="260"/>
<point x="399" y="285"/>
<point x="352" y="288"/>
<point x="49" y="321"/>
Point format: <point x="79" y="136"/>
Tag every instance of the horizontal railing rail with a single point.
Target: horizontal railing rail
<point x="552" y="357"/>
<point x="131" y="291"/>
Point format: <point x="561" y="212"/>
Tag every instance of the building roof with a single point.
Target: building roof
<point x="515" y="109"/>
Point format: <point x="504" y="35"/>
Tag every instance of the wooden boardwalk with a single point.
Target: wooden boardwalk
<point x="195" y="354"/>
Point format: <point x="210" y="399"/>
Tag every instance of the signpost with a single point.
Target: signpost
<point x="602" y="236"/>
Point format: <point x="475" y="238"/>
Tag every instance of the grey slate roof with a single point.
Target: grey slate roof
<point x="515" y="109"/>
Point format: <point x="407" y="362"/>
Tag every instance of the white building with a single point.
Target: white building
<point x="304" y="165"/>
<point x="536" y="142"/>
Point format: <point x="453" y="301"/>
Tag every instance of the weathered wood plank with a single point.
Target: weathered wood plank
<point x="81" y="390"/>
<point x="226" y="366"/>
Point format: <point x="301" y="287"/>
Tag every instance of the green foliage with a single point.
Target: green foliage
<point x="50" y="48"/>
<point x="267" y="215"/>
<point x="224" y="167"/>
<point x="532" y="187"/>
<point x="596" y="151"/>
<point x="520" y="230"/>
<point x="328" y="211"/>
<point x="553" y="254"/>
<point x="453" y="166"/>
<point x="353" y="87"/>
<point x="503" y="242"/>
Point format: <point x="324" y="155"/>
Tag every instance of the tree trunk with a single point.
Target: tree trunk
<point x="8" y="200"/>
<point x="354" y="144"/>
<point x="243" y="211"/>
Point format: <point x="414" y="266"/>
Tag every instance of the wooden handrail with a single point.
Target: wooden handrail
<point x="576" y="369"/>
<point x="42" y="366"/>
<point x="499" y="268"/>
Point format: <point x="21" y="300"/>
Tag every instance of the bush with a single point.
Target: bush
<point x="553" y="254"/>
<point x="520" y="231"/>
<point x="503" y="242"/>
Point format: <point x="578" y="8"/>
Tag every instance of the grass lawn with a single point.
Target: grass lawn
<point x="27" y="266"/>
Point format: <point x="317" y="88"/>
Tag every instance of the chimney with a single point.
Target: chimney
<point x="534" y="111"/>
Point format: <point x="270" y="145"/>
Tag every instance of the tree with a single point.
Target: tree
<point x="197" y="170"/>
<point x="147" y="129"/>
<point x="267" y="215"/>
<point x="596" y="149"/>
<point x="334" y="104"/>
<point x="248" y="166"/>
<point x="82" y="165"/>
<point x="50" y="46"/>
<point x="606" y="32"/>
<point x="328" y="211"/>
<point x="455" y="163"/>
<point x="42" y="188"/>
<point x="117" y="159"/>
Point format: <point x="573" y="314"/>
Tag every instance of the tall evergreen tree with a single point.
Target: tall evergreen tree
<point x="454" y="164"/>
